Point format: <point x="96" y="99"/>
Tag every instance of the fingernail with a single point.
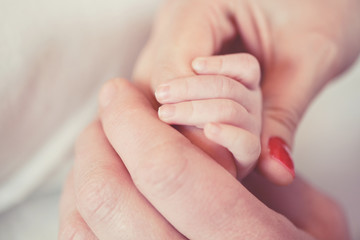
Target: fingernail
<point x="166" y="112"/>
<point x="280" y="151"/>
<point x="107" y="93"/>
<point x="199" y="64"/>
<point x="162" y="92"/>
<point x="213" y="128"/>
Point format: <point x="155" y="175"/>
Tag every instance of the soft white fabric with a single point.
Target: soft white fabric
<point x="54" y="55"/>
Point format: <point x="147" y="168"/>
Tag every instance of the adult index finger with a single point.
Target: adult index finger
<point x="183" y="30"/>
<point x="191" y="191"/>
<point x="106" y="197"/>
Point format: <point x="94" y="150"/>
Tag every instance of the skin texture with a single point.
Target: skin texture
<point x="299" y="53"/>
<point x="133" y="190"/>
<point x="224" y="99"/>
<point x="125" y="186"/>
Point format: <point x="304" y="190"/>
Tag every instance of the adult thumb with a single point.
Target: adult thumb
<point x="183" y="31"/>
<point x="288" y="88"/>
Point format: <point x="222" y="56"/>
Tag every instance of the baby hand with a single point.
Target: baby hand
<point x="224" y="99"/>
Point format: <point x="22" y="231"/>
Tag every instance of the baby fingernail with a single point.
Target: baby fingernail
<point x="199" y="64"/>
<point x="280" y="151"/>
<point x="162" y="92"/>
<point x="166" y="111"/>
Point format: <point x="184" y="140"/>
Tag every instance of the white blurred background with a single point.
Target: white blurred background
<point x="54" y="55"/>
<point x="327" y="150"/>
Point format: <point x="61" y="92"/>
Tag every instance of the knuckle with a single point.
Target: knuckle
<point x="72" y="231"/>
<point x="233" y="110"/>
<point x="286" y="117"/>
<point x="96" y="199"/>
<point x="160" y="175"/>
<point x="224" y="86"/>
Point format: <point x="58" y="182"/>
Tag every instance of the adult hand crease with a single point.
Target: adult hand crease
<point x="136" y="177"/>
<point x="128" y="187"/>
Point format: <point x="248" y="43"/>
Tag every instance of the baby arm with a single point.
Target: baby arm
<point x="224" y="99"/>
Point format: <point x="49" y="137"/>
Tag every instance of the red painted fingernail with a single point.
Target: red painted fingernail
<point x="281" y="152"/>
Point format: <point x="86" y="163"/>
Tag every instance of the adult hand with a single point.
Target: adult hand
<point x="144" y="180"/>
<point x="300" y="46"/>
